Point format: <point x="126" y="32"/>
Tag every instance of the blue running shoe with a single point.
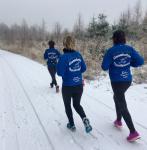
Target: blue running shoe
<point x="71" y="127"/>
<point x="88" y="127"/>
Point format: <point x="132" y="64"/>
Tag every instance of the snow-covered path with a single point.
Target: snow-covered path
<point x="32" y="115"/>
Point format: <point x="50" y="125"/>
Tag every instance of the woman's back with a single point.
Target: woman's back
<point x="119" y="59"/>
<point x="71" y="66"/>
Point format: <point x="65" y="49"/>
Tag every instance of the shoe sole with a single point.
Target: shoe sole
<point x="134" y="139"/>
<point x="118" y="127"/>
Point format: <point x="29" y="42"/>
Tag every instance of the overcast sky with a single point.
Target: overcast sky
<point x="63" y="11"/>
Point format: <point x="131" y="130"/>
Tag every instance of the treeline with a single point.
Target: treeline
<point x="132" y="21"/>
<point x="22" y="33"/>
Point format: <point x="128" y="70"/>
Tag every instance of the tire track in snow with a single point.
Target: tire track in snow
<point x="59" y="125"/>
<point x="110" y="108"/>
<point x="13" y="115"/>
<point x="29" y="100"/>
<point x="73" y="138"/>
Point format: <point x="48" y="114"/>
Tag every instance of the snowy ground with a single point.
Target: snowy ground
<point x="32" y="115"/>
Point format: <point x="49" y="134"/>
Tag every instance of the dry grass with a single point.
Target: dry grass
<point x="92" y="51"/>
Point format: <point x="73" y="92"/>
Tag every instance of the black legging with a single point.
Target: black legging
<point x="75" y="93"/>
<point x="52" y="71"/>
<point x="119" y="89"/>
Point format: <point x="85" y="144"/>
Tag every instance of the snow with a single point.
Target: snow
<point x="32" y="116"/>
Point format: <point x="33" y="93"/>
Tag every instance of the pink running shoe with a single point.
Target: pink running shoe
<point x="117" y="124"/>
<point x="133" y="136"/>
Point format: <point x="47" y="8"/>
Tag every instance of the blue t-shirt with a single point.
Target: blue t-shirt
<point x="51" y="55"/>
<point x="70" y="67"/>
<point x="118" y="61"/>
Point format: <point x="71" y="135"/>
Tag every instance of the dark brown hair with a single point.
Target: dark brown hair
<point x="51" y="44"/>
<point x="119" y="37"/>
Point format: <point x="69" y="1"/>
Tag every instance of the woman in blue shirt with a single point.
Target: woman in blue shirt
<point x="70" y="67"/>
<point x="52" y="55"/>
<point x="118" y="60"/>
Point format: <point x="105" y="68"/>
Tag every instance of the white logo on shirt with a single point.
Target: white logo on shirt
<point x="124" y="74"/>
<point x="52" y="55"/>
<point x="122" y="60"/>
<point x="76" y="79"/>
<point x="74" y="65"/>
